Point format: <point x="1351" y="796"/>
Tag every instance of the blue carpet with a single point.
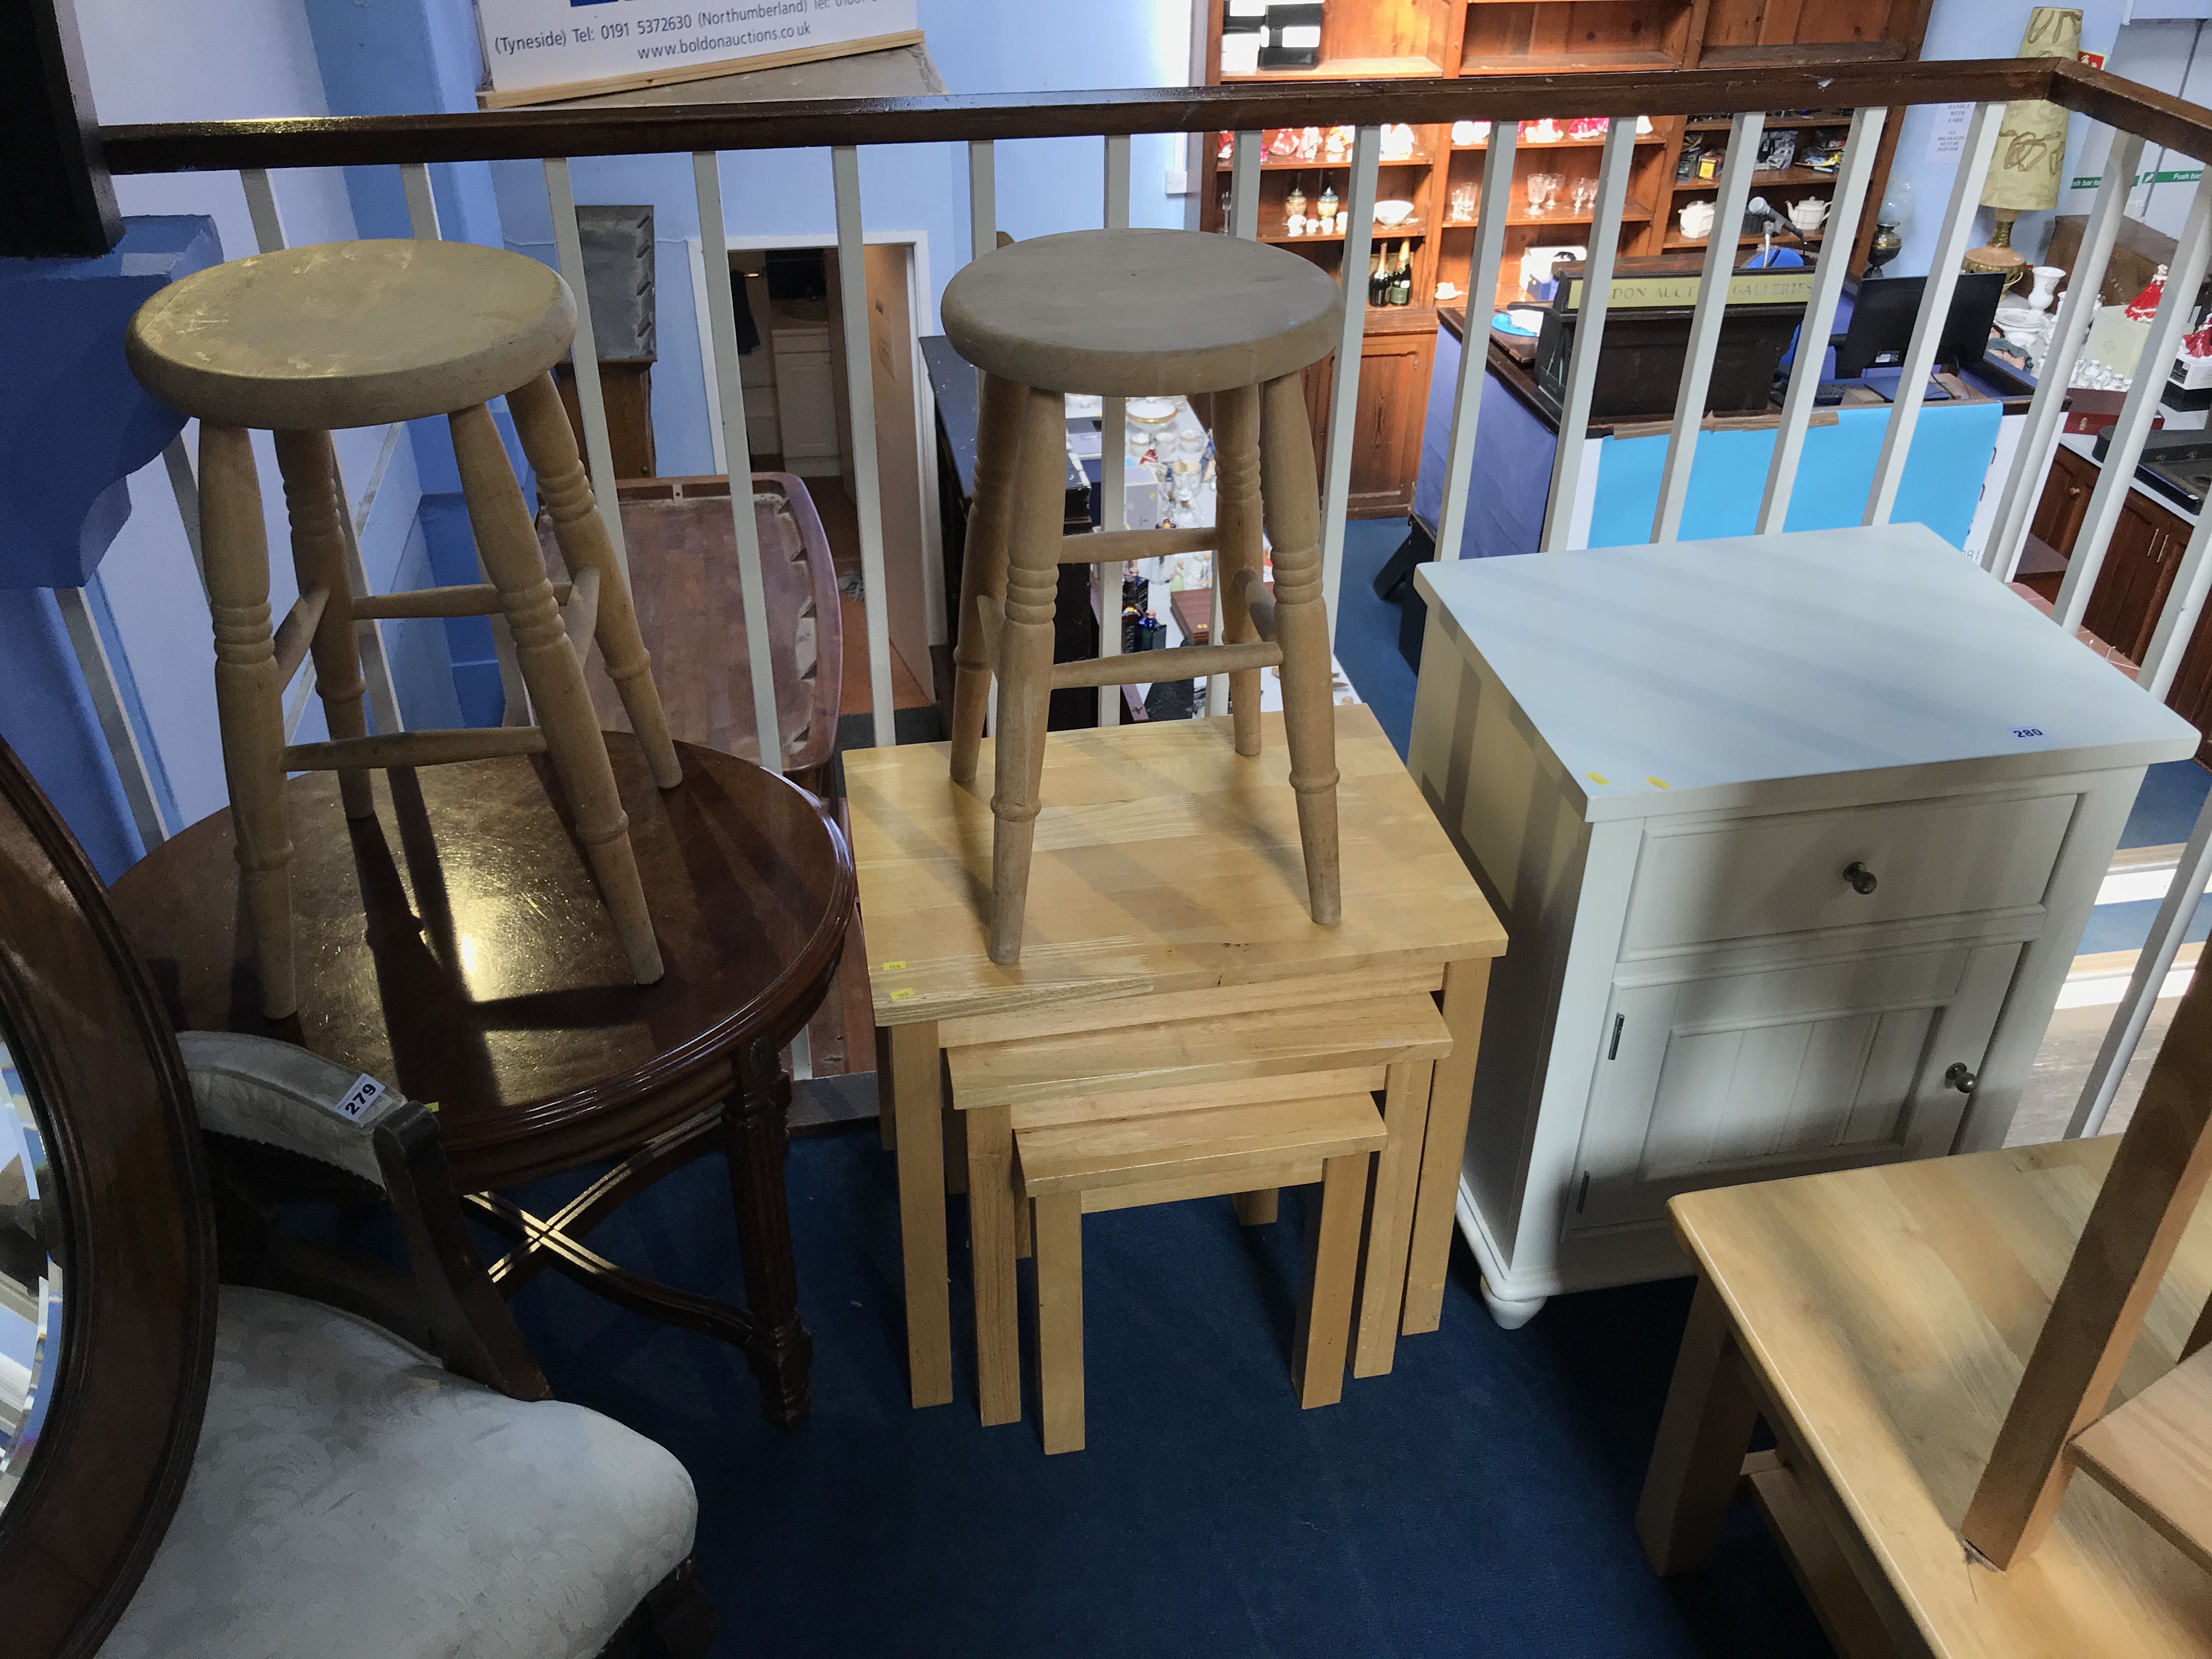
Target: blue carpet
<point x="1477" y="1501"/>
<point x="2166" y="806"/>
<point x="1367" y="628"/>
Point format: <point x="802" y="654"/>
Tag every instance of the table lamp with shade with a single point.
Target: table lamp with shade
<point x="1890" y="220"/>
<point x="2031" y="148"/>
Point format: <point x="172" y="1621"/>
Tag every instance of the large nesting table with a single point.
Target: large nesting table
<point x="1167" y="883"/>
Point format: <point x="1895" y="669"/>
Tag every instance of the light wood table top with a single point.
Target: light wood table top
<point x="1163" y="863"/>
<point x="1890" y="1312"/>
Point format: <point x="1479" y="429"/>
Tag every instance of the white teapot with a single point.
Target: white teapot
<point x="1809" y="213"/>
<point x="1697" y="221"/>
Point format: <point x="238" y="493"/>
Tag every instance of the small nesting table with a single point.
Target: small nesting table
<point x="1167" y="873"/>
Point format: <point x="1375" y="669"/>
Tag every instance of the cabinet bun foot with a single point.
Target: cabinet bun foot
<point x="1511" y="1314"/>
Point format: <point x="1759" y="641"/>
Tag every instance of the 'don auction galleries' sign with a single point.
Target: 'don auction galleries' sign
<point x="537" y="49"/>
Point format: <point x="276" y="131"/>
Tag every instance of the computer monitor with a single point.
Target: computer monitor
<point x="1886" y="308"/>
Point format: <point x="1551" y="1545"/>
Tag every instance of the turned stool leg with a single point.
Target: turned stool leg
<point x="508" y="547"/>
<point x="311" y="495"/>
<point x="1324" y="1327"/>
<point x="249" y="702"/>
<point x="550" y="443"/>
<point x="1026" y="659"/>
<point x="1060" y="1319"/>
<point x="983" y="567"/>
<point x="1236" y="513"/>
<point x="1293" y="504"/>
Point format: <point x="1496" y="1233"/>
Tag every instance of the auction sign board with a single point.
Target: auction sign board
<point x="538" y="51"/>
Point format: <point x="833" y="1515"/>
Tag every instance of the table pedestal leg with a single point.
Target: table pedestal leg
<point x="755" y="1138"/>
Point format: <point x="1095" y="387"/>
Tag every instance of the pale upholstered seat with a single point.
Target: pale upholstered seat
<point x="1137" y="313"/>
<point x="305" y="341"/>
<point x="352" y="1499"/>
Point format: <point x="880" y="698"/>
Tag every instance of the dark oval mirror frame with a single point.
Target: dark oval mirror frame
<point x="137" y="1242"/>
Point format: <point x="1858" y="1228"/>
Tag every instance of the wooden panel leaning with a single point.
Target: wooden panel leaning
<point x="2150" y="1196"/>
<point x="1128" y="313"/>
<point x="304" y="341"/>
<point x="1936" y="1345"/>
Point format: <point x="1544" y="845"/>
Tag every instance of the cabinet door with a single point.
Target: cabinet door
<point x="1747" y="1077"/>
<point x="1386" y="440"/>
<point x="2140" y="563"/>
<point x="2191" y="696"/>
<point x="2066" y="500"/>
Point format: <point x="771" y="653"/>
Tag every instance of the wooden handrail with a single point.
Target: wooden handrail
<point x="2131" y="105"/>
<point x="528" y="134"/>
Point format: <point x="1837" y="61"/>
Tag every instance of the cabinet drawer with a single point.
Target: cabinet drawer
<point x="1785" y="874"/>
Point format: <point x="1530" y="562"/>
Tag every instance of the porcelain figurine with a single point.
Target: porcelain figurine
<point x="1309" y="144"/>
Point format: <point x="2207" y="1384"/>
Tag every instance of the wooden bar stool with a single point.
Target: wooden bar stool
<point x="307" y="340"/>
<point x="1070" y="1170"/>
<point x="1130" y="314"/>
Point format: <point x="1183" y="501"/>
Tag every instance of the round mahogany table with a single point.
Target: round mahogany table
<point x="454" y="947"/>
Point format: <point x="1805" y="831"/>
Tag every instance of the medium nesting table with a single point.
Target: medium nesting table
<point x="453" y="946"/>
<point x="1168" y="883"/>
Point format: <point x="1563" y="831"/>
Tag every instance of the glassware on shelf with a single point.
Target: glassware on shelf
<point x="1294" y="209"/>
<point x="1462" y="204"/>
<point x="1585" y="195"/>
<point x="1328" y="220"/>
<point x="1544" y="190"/>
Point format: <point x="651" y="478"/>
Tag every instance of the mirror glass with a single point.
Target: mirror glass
<point x="30" y="1278"/>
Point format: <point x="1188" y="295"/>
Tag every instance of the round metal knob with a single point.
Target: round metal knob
<point x="1958" y="1077"/>
<point x="1860" y="878"/>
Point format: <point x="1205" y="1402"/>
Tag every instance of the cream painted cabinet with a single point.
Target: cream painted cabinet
<point x="1793" y="838"/>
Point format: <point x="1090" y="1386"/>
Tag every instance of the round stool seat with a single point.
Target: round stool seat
<point x="343" y="334"/>
<point x="1137" y="313"/>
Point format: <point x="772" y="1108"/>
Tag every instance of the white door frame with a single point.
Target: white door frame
<point x="924" y="410"/>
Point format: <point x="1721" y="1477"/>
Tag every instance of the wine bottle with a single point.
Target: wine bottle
<point x="1401" y="280"/>
<point x="1378" y="282"/>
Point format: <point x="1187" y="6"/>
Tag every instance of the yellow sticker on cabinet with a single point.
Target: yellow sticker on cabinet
<point x="893" y="967"/>
<point x="1659" y="783"/>
<point x="902" y="995"/>
<point x="1597" y="778"/>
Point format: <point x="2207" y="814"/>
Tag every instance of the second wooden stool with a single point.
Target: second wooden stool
<point x="306" y="340"/>
<point x="1132" y="314"/>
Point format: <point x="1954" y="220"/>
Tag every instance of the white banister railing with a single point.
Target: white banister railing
<point x="422" y="202"/>
<point x="1494" y="209"/>
<point x="729" y="414"/>
<point x="2110" y="494"/>
<point x="1853" y="172"/>
<point x="1721" y="246"/>
<point x="1952" y="240"/>
<point x="2030" y="456"/>
<point x="1590" y="332"/>
<point x="861" y="402"/>
<point x="1344" y="385"/>
<point x="1106" y="579"/>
